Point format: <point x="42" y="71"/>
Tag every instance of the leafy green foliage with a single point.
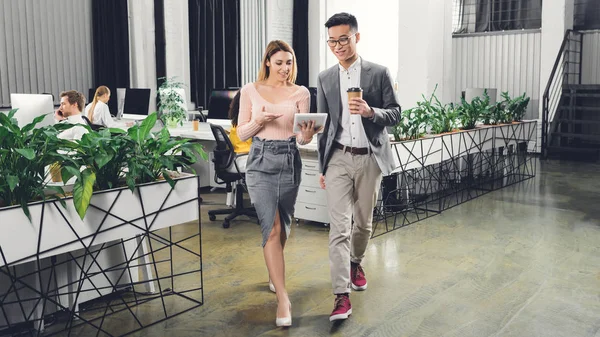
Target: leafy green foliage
<point x="171" y="104"/>
<point x="515" y="107"/>
<point x="154" y="154"/>
<point x="101" y="160"/>
<point x="429" y="114"/>
<point x="470" y="113"/>
<point x="412" y="125"/>
<point x="25" y="154"/>
<point x="440" y="118"/>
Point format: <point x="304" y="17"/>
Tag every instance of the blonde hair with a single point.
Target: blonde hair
<point x="272" y="48"/>
<point x="101" y="90"/>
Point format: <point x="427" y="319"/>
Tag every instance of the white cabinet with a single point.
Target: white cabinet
<point x="311" y="203"/>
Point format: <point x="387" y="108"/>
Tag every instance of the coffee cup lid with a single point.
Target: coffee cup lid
<point x="354" y="89"/>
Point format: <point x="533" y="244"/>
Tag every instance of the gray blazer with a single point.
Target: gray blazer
<point x="378" y="91"/>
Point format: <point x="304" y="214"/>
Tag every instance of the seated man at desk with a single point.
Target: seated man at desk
<point x="239" y="147"/>
<point x="71" y="106"/>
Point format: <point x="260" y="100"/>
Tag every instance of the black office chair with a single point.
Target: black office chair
<point x="226" y="171"/>
<point x="94" y="127"/>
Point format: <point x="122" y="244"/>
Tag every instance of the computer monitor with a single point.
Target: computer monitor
<point x="137" y="103"/>
<point x="121" y="92"/>
<point x="31" y="106"/>
<point x="112" y="103"/>
<point x="313" y="99"/>
<point x="219" y="101"/>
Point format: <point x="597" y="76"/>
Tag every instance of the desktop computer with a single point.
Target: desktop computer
<point x="137" y="103"/>
<point x="31" y="106"/>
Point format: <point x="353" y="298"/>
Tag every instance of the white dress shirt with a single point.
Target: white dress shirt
<point x="351" y="132"/>
<point x="76" y="132"/>
<point x="101" y="114"/>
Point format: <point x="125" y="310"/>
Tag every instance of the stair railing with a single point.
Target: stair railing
<point x="566" y="70"/>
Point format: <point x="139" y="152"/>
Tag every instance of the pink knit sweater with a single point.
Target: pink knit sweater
<point x="252" y="103"/>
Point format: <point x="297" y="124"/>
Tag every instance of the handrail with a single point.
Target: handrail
<point x="557" y="62"/>
<point x="546" y="96"/>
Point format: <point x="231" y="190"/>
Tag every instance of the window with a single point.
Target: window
<point x="471" y="16"/>
<point x="587" y="14"/>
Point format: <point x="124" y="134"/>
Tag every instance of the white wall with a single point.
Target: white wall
<point x="424" y="50"/>
<point x="557" y="16"/>
<point x="378" y="27"/>
<point x="591" y="58"/>
<point x="504" y="61"/>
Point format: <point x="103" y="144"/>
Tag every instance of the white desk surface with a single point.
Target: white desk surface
<point x="185" y="131"/>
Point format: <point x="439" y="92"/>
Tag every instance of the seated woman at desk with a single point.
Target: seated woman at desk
<point x="97" y="111"/>
<point x="239" y="147"/>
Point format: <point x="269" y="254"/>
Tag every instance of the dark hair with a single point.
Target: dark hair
<point x="73" y="97"/>
<point x="234" y="109"/>
<point x="342" y="19"/>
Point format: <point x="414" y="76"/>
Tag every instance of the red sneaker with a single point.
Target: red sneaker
<point x="342" y="308"/>
<point x="357" y="275"/>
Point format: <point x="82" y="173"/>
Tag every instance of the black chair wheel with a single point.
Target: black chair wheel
<point x="212" y="217"/>
<point x="225" y="224"/>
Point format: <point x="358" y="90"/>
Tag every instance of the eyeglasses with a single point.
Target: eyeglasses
<point x="342" y="41"/>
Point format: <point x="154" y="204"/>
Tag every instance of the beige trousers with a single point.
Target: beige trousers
<point x="352" y="184"/>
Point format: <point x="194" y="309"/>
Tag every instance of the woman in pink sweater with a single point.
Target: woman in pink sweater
<point x="267" y="109"/>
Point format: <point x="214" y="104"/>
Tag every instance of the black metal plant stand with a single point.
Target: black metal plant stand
<point x="465" y="166"/>
<point x="34" y="302"/>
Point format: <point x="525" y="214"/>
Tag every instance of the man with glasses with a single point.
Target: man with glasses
<point x="354" y="152"/>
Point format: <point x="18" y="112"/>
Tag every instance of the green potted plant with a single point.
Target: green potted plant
<point x="155" y="155"/>
<point x="171" y="104"/>
<point x="114" y="158"/>
<point x="412" y="125"/>
<point x="515" y="107"/>
<point x="470" y="113"/>
<point x="26" y="155"/>
<point x="440" y="118"/>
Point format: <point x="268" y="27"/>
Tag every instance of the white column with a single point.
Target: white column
<point x="142" y="52"/>
<point x="177" y="38"/>
<point x="557" y="17"/>
<point x="280" y="16"/>
<point x="424" y="51"/>
<point x="317" y="35"/>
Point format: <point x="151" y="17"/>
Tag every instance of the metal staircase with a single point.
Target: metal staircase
<point x="571" y="110"/>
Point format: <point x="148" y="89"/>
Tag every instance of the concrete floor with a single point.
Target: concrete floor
<point x="522" y="261"/>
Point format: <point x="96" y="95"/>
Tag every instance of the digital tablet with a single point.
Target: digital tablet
<point x="318" y="118"/>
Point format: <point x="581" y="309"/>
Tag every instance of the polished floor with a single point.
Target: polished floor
<point x="522" y="261"/>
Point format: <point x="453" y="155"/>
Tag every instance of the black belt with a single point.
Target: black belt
<point x="352" y="150"/>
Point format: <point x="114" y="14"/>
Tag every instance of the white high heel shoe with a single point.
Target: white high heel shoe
<point x="285" y="321"/>
<point x="272" y="286"/>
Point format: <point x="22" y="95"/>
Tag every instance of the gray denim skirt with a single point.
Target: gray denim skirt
<point x="273" y="174"/>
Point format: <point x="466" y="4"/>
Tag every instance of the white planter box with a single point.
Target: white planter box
<point x="418" y="153"/>
<point x="113" y="214"/>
